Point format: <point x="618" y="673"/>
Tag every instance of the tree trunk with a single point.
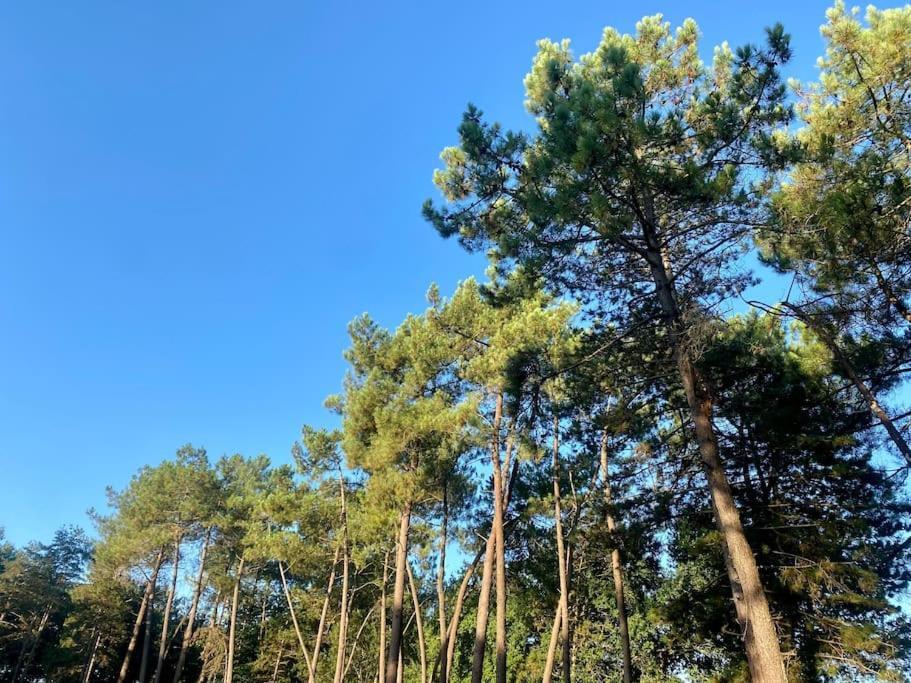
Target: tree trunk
<point x="90" y="665"/>
<point x="419" y="622"/>
<point x="232" y="627"/>
<point x="163" y="644"/>
<point x="321" y="626"/>
<point x="859" y="384"/>
<point x="278" y="661"/>
<point x="194" y="606"/>
<point x="297" y="628"/>
<point x="147" y="641"/>
<point x="483" y="613"/>
<point x="27" y="653"/>
<point x="561" y="554"/>
<point x="616" y="567"/>
<point x="357" y="639"/>
<point x="896" y="301"/>
<point x="453" y="627"/>
<point x="343" y="601"/>
<point x="441" y="589"/>
<point x="498" y="500"/>
<point x="552" y="644"/>
<point x="751" y="606"/>
<point x="381" y="665"/>
<point x="398" y="595"/>
<point x="137" y="624"/>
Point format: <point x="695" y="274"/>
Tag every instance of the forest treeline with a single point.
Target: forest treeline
<point x="588" y="467"/>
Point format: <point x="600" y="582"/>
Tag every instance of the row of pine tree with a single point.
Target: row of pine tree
<point x="612" y="461"/>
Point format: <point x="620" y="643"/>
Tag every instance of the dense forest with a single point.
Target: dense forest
<point x="610" y="461"/>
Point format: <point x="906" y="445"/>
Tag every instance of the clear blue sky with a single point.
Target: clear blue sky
<point x="195" y="199"/>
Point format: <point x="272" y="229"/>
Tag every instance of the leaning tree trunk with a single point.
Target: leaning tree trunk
<point x="343" y="601"/>
<point x="453" y="627"/>
<point x="163" y="644"/>
<point x="194" y="606"/>
<point x="137" y="624"/>
<point x="90" y="665"/>
<point x="232" y="627"/>
<point x="398" y="597"/>
<point x="419" y="622"/>
<point x="297" y="628"/>
<point x="321" y="626"/>
<point x="548" y="675"/>
<point x="872" y="403"/>
<point x="752" y="608"/>
<point x="147" y="641"/>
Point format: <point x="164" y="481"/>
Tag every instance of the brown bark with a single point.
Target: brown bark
<point x="441" y="590"/>
<point x="278" y="661"/>
<point x="190" y="629"/>
<point x="232" y="627"/>
<point x="137" y="624"/>
<point x="297" y="628"/>
<point x="147" y="640"/>
<point x="169" y="603"/>
<point x="321" y="626"/>
<point x="561" y="554"/>
<point x="552" y="644"/>
<point x="498" y="500"/>
<point x="453" y="628"/>
<point x="398" y="595"/>
<point x="872" y="403"/>
<point x="419" y="622"/>
<point x="896" y="301"/>
<point x="343" y="600"/>
<point x="616" y="567"/>
<point x="381" y="665"/>
<point x="751" y="605"/>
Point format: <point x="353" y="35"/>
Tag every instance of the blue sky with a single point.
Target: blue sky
<point x="195" y="199"/>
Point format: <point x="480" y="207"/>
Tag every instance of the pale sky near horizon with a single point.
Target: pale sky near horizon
<point x="195" y="199"/>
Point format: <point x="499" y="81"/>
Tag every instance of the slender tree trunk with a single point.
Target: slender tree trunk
<point x="441" y="589"/>
<point x="453" y="627"/>
<point x="278" y="661"/>
<point x="163" y="644"/>
<point x="137" y="624"/>
<point x="548" y="675"/>
<point x="232" y="627"/>
<point x="616" y="566"/>
<point x="30" y="646"/>
<point x="147" y="641"/>
<point x="561" y="554"/>
<point x="896" y="301"/>
<point x="321" y="626"/>
<point x="498" y="500"/>
<point x="483" y="612"/>
<point x="357" y="639"/>
<point x="398" y="595"/>
<point x="297" y="628"/>
<point x="760" y="638"/>
<point x="419" y="622"/>
<point x="491" y="555"/>
<point x="381" y="666"/>
<point x="343" y="601"/>
<point x="194" y="606"/>
<point x="868" y="396"/>
<point x="90" y="665"/>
